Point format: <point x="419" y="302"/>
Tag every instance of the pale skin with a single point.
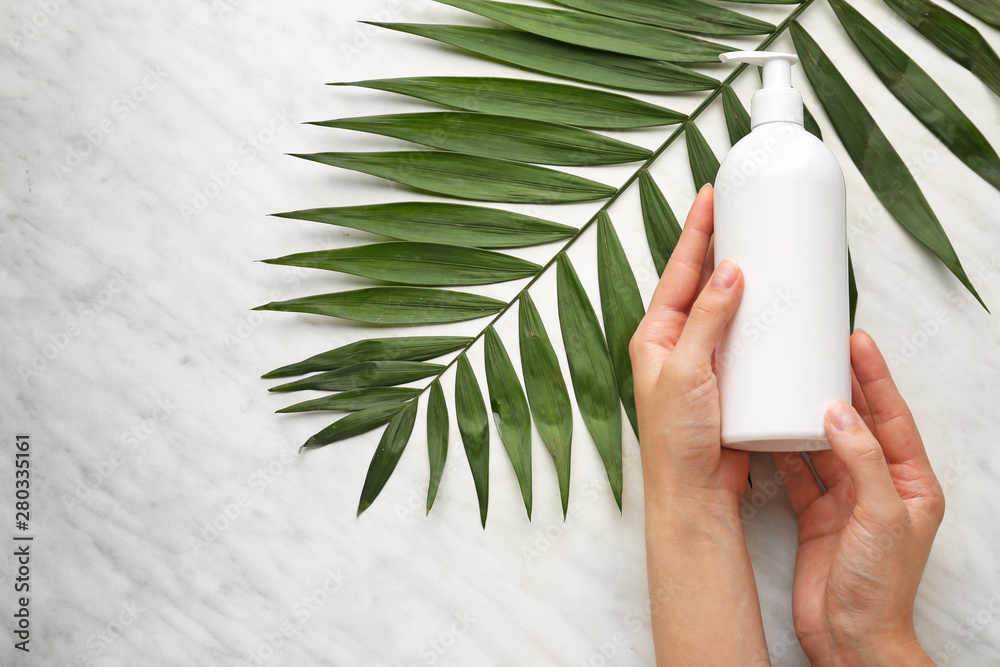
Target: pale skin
<point x="863" y="543"/>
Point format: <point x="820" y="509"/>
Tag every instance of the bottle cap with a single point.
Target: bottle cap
<point x="776" y="100"/>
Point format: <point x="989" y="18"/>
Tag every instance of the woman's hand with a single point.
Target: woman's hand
<point x="676" y="394"/>
<point x="703" y="598"/>
<point x="864" y="543"/>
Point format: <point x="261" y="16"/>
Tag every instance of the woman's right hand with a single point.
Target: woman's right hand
<point x="864" y="542"/>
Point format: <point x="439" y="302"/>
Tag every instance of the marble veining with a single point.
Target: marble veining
<point x="141" y="147"/>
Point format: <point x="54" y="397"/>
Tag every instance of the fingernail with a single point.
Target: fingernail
<point x="725" y="274"/>
<point x="843" y="416"/>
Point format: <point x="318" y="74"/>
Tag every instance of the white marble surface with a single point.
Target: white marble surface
<point x="130" y="356"/>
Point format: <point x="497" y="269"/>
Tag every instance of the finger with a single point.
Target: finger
<point x="707" y="267"/>
<point x="711" y="312"/>
<point x="892" y="418"/>
<point x="862" y="455"/>
<point x="828" y="467"/>
<point x="678" y="284"/>
<point x="861" y="404"/>
<point x="798" y="480"/>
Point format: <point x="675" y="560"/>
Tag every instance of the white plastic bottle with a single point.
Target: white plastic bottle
<point x="780" y="213"/>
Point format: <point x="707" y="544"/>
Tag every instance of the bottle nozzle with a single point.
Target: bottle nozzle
<point x="775" y="101"/>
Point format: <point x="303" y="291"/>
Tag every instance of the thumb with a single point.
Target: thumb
<point x="862" y="455"/>
<point x="711" y="312"/>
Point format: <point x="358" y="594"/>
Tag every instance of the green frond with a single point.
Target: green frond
<point x="617" y="65"/>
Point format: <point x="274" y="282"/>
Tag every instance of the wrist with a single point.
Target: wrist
<point x="877" y="651"/>
<point x="691" y="513"/>
<point x="666" y="492"/>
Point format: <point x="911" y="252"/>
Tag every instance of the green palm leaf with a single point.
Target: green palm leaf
<point x="393" y="305"/>
<point x="573" y="62"/>
<point x="921" y="95"/>
<point x="439" y="222"/>
<point x="356" y="399"/>
<point x="365" y="374"/>
<point x="810" y="123"/>
<point x="704" y="164"/>
<point x="390" y="448"/>
<point x="475" y="430"/>
<point x="548" y="397"/>
<point x="987" y="11"/>
<point x="621" y="308"/>
<point x="437" y="439"/>
<point x="354" y="424"/>
<point x="510" y="411"/>
<point x="875" y="157"/>
<point x="536" y="100"/>
<point x="402" y="348"/>
<point x="415" y="263"/>
<point x="852" y="288"/>
<point x="591" y="371"/>
<point x="662" y="229"/>
<point x="598" y="32"/>
<point x="504" y="137"/>
<point x="737" y="118"/>
<point x="470" y="176"/>
<point x="957" y="38"/>
<point x="683" y="15"/>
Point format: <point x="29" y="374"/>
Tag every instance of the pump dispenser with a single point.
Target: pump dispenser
<point x="780" y="213"/>
<point x="777" y="100"/>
